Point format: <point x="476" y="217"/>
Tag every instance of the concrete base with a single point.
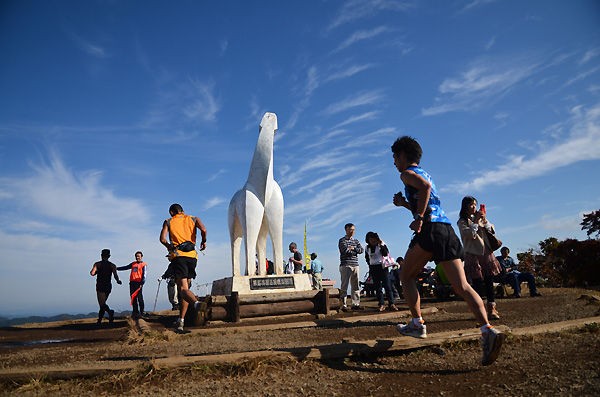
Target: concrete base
<point x="250" y="285"/>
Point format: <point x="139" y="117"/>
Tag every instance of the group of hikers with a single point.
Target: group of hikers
<point x="434" y="240"/>
<point x="178" y="235"/>
<point x="104" y="270"/>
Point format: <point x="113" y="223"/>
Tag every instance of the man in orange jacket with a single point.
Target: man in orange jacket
<point x="137" y="278"/>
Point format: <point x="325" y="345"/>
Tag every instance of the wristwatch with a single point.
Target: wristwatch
<point x="418" y="217"/>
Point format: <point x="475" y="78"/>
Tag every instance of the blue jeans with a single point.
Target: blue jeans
<point x="381" y="279"/>
<point x="514" y="279"/>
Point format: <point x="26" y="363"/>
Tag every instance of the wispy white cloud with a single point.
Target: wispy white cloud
<point x="203" y="104"/>
<point x="490" y="43"/>
<point x="216" y="175"/>
<point x="358" y="118"/>
<point x="566" y="223"/>
<point x="581" y="143"/>
<point x="340" y="200"/>
<point x="348" y="72"/>
<point x="475" y="4"/>
<point x="325" y="138"/>
<point x="589" y="55"/>
<point x="594" y="88"/>
<point x="385" y="209"/>
<point x="55" y="192"/>
<point x="581" y="76"/>
<point x="330" y="176"/>
<point x="502" y="118"/>
<point x="213" y="202"/>
<point x="183" y="106"/>
<point x="88" y="46"/>
<point x="314" y="80"/>
<point x="311" y="83"/>
<point x="294" y="176"/>
<point x="481" y="84"/>
<point x="354" y="10"/>
<point x="362" y="35"/>
<point x="223" y="45"/>
<point x="361" y="99"/>
<point x="370" y="138"/>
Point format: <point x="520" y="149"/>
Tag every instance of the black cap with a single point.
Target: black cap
<point x="105" y="252"/>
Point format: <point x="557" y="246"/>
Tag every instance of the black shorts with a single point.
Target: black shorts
<point x="106" y="288"/>
<point x="182" y="267"/>
<point x="439" y="239"/>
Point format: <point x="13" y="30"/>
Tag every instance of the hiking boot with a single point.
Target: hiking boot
<point x="99" y="321"/>
<point x="533" y="295"/>
<point x="492" y="312"/>
<point x="393" y="308"/>
<point x="412" y="330"/>
<point x="345" y="308"/>
<point x="357" y="307"/>
<point x="111" y="316"/>
<point x="382" y="308"/>
<point x="491" y="343"/>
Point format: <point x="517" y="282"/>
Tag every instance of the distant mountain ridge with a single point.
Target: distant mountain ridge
<point x="9" y="322"/>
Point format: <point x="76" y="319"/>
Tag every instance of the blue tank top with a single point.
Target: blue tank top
<point x="434" y="212"/>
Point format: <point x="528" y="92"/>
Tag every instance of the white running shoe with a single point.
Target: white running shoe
<point x="491" y="343"/>
<point x="179" y="325"/>
<point x="412" y="330"/>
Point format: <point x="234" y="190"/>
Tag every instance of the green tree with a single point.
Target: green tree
<point x="591" y="223"/>
<point x="565" y="263"/>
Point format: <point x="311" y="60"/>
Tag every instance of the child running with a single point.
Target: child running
<point x="434" y="240"/>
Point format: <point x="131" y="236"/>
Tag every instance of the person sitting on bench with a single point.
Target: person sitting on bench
<point x="513" y="277"/>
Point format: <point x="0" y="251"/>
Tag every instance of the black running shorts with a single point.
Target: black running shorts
<point x="439" y="239"/>
<point x="183" y="267"/>
<point x="105" y="288"/>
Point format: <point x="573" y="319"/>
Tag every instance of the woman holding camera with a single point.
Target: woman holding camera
<point x="480" y="264"/>
<point x="375" y="251"/>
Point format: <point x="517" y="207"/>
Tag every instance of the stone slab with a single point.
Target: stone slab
<point x="251" y="285"/>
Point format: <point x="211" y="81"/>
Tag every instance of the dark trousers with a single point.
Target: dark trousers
<point x="381" y="279"/>
<point x="486" y="286"/>
<point x="139" y="299"/>
<point x="395" y="281"/>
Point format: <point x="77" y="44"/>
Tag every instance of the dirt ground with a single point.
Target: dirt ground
<point x="565" y="363"/>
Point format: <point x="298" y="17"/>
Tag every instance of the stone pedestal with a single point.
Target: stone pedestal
<point x="251" y="285"/>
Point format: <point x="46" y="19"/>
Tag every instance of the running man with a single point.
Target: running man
<point x="434" y="240"/>
<point x="181" y="231"/>
<point x="103" y="270"/>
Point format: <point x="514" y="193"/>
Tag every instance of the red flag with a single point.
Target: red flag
<point x="135" y="293"/>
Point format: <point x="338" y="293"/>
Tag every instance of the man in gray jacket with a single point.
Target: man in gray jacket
<point x="350" y="248"/>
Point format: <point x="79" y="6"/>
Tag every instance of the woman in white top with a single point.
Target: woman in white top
<point x="374" y="253"/>
<point x="481" y="265"/>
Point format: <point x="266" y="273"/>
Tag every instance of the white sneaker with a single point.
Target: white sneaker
<point x="491" y="343"/>
<point x="412" y="330"/>
<point x="179" y="325"/>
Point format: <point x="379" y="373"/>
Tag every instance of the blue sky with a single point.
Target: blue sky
<point x="112" y="110"/>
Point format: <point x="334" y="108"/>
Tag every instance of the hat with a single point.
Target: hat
<point x="105" y="252"/>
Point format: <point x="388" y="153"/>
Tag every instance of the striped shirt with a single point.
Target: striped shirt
<point x="350" y="248"/>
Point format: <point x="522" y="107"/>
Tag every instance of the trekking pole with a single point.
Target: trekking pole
<point x="155" y="299"/>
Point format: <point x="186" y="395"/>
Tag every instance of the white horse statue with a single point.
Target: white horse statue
<point x="257" y="209"/>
